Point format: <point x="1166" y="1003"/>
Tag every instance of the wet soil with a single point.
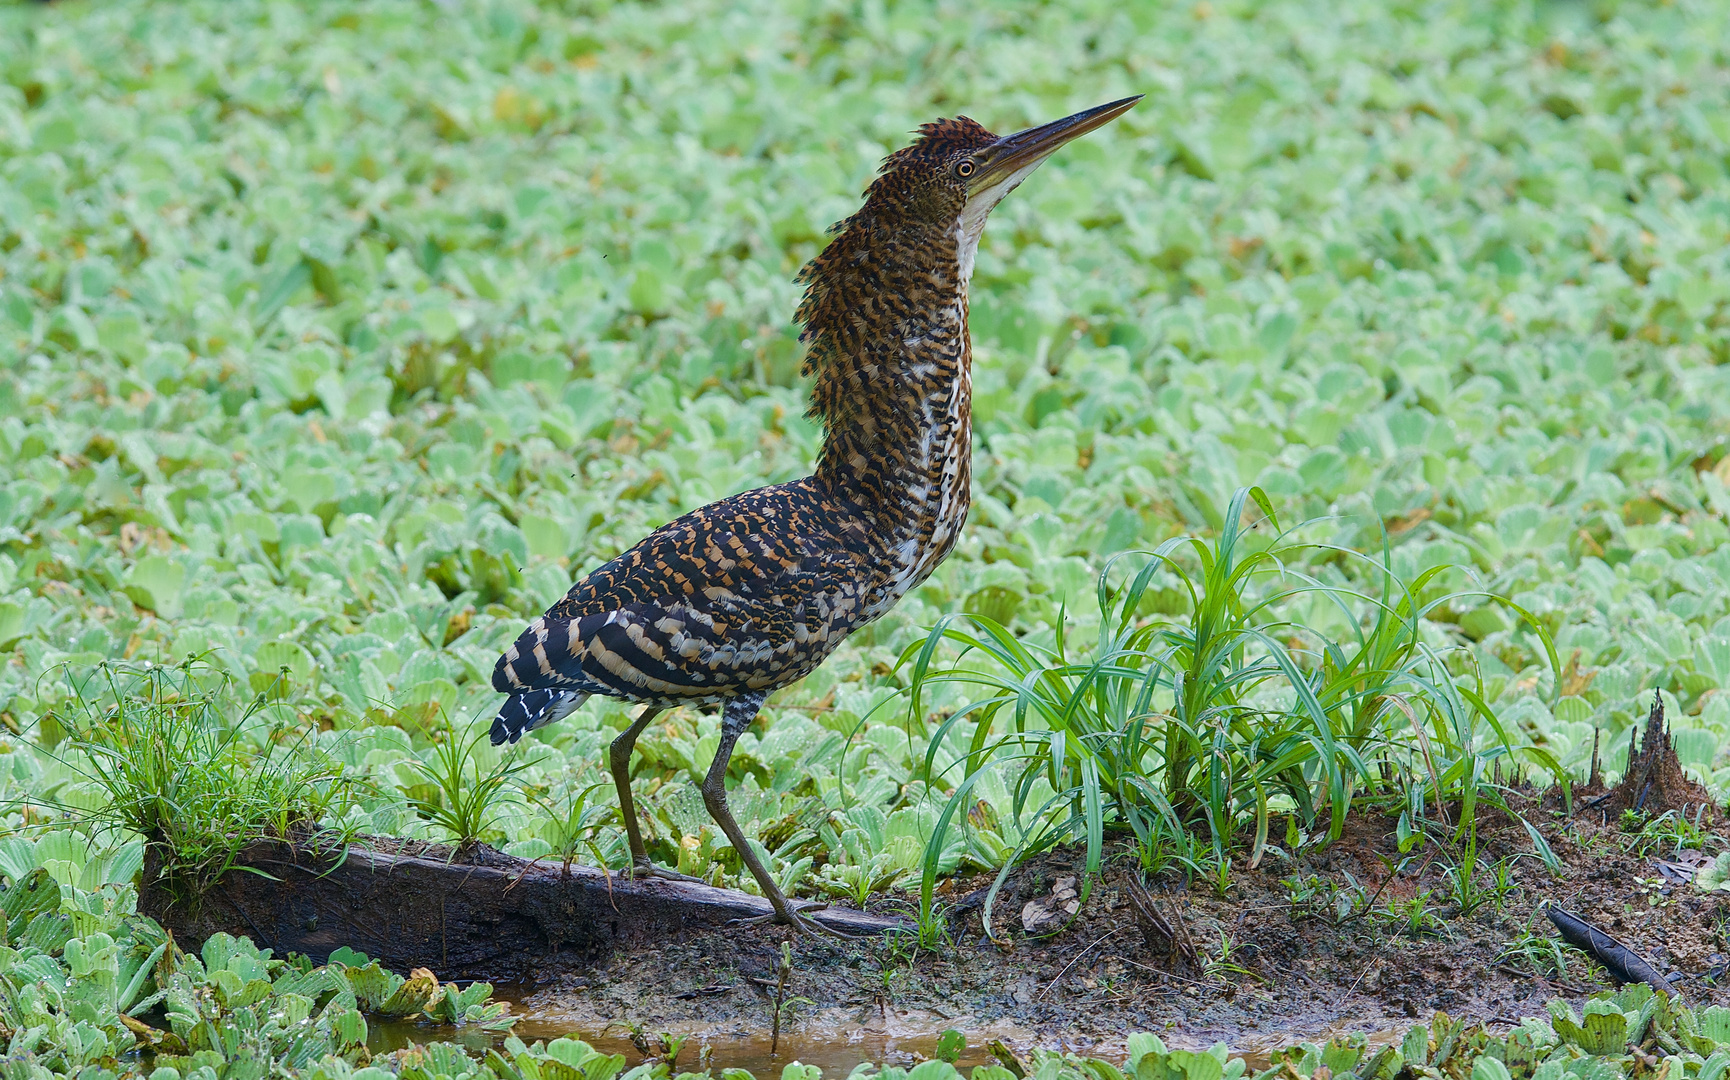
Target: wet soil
<point x="1353" y="936"/>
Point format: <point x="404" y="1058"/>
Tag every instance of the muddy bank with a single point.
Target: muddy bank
<point x="1355" y="937"/>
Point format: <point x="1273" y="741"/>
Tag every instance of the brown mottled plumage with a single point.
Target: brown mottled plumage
<point x="745" y="595"/>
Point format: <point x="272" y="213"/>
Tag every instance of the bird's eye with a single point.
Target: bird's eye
<point x="965" y="169"/>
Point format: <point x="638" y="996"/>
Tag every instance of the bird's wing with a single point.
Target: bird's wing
<point x="729" y="597"/>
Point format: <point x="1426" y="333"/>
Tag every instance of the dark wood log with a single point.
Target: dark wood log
<point x="1624" y="964"/>
<point x="477" y="913"/>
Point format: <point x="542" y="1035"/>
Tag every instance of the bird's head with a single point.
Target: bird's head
<point x="908" y="253"/>
<point x="957" y="172"/>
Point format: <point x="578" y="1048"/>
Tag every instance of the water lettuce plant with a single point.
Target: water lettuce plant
<point x="98" y="992"/>
<point x="93" y="989"/>
<point x="336" y="339"/>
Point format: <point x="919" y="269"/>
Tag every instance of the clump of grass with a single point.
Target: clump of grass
<point x="1413" y="916"/>
<point x="196" y="771"/>
<point x="1183" y="731"/>
<point x="571" y="823"/>
<point x="460" y="796"/>
<point x="1539" y="955"/>
<point x="1669" y="833"/>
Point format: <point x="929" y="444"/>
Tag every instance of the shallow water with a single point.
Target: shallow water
<point x="1258" y="1052"/>
<point x="836" y="1052"/>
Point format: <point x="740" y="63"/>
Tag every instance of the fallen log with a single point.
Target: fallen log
<point x="475" y="913"/>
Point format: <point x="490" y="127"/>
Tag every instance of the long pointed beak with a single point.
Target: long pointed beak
<point x="1020" y="152"/>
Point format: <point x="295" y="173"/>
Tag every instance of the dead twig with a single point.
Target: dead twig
<point x="527" y="866"/>
<point x="1544" y="982"/>
<point x="1371" y="966"/>
<point x="1164" y="975"/>
<point x="1077" y="959"/>
<point x="785" y="970"/>
<point x="1162" y="934"/>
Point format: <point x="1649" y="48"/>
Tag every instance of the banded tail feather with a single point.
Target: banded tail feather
<point x="548" y="652"/>
<point x="523" y="713"/>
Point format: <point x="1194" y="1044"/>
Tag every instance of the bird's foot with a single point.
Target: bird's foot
<point x="643" y="868"/>
<point x="794" y="917"/>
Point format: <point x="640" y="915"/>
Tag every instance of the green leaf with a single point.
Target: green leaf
<point x="1196" y="1066"/>
<point x="123" y="335"/>
<point x="273" y="656"/>
<point x="951" y="1044"/>
<point x="275" y="292"/>
<point x="154" y="582"/>
<point x="12" y="623"/>
<point x="1488" y="1068"/>
<point x="648" y="292"/>
<point x="439" y="324"/>
<point x="412" y="997"/>
<point x="349" y="1028"/>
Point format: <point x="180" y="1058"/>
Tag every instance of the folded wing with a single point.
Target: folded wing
<point x="723" y="600"/>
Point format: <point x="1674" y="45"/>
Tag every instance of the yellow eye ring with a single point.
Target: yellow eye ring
<point x="965" y="169"/>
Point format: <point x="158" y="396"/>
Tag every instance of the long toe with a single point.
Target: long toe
<point x="649" y="869"/>
<point x="814" y="928"/>
<point x="796" y="918"/>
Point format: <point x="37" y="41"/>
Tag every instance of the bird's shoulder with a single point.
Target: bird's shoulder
<point x="740" y="548"/>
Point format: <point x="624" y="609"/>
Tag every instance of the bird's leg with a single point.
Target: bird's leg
<point x="735" y="718"/>
<point x="619" y="757"/>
